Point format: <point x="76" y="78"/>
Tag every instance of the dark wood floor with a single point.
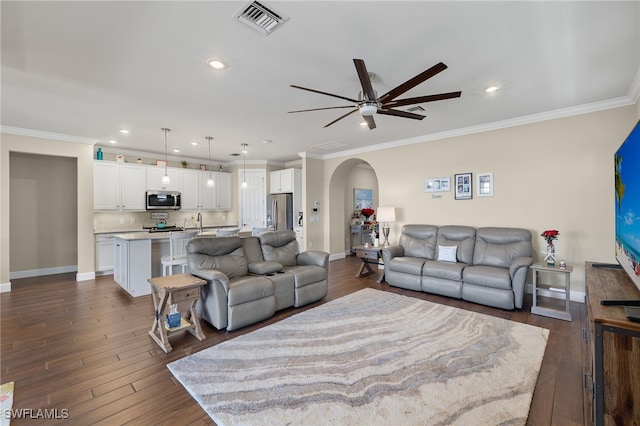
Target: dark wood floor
<point x="84" y="347"/>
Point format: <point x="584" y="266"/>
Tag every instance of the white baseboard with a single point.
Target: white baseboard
<point x="337" y="256"/>
<point x="5" y="287"/>
<point x="42" y="272"/>
<point x="86" y="276"/>
<point x="574" y="296"/>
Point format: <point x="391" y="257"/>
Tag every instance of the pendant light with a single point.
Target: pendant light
<point x="165" y="178"/>
<point x="210" y="183"/>
<point x="244" y="169"/>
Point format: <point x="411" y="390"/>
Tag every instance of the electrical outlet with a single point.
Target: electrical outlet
<point x="121" y="221"/>
<point x="310" y="244"/>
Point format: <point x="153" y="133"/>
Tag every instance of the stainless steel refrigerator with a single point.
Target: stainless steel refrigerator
<point x="280" y="211"/>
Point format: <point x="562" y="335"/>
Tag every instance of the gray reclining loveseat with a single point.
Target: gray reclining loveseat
<point x="249" y="279"/>
<point x="483" y="265"/>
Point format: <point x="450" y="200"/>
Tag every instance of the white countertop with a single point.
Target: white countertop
<point x="120" y="229"/>
<point x="143" y="235"/>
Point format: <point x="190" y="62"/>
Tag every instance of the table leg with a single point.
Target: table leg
<point x="158" y="332"/>
<point x="361" y="272"/>
<point x="192" y="316"/>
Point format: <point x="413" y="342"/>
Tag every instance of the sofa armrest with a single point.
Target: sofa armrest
<point x="313" y="257"/>
<point x="389" y="252"/>
<point x="211" y="275"/>
<point x="519" y="263"/>
<point x="518" y="273"/>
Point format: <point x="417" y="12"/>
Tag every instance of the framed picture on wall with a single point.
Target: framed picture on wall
<point x="463" y="186"/>
<point x="363" y="198"/>
<point x="441" y="184"/>
<point x="485" y="184"/>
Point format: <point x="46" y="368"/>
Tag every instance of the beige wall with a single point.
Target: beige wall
<point x="83" y="153"/>
<point x="43" y="212"/>
<point x="552" y="174"/>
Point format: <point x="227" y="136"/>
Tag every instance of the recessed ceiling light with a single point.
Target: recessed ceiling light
<point x="194" y="143"/>
<point x="124" y="131"/>
<point x="175" y="150"/>
<point x="216" y="64"/>
<point x="491" y="89"/>
<point x="113" y="141"/>
<point x="266" y="141"/>
<point x="363" y="123"/>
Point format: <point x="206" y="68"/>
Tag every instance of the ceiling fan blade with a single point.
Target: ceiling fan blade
<point x="341" y="117"/>
<point x="324" y="93"/>
<point x="365" y="81"/>
<point x="320" y="109"/>
<point x="403" y="114"/>
<point x="421" y="99"/>
<point x="410" y="84"/>
<point x="370" y="121"/>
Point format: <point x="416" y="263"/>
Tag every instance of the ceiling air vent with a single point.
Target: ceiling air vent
<point x="260" y="17"/>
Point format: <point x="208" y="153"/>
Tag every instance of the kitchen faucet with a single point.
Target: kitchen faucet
<point x="200" y="221"/>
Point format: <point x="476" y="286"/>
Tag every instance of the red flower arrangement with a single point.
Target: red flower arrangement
<point x="550" y="235"/>
<point x="367" y="212"/>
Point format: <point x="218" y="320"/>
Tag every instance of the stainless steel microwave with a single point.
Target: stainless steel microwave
<point x="163" y="200"/>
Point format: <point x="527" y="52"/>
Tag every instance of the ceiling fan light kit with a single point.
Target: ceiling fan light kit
<point x="370" y="104"/>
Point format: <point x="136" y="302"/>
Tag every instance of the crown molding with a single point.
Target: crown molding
<point x="46" y="135"/>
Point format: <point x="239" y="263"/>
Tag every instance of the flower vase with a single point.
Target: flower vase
<point x="551" y="254"/>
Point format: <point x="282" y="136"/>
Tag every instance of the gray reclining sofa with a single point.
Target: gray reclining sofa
<point x="484" y="265"/>
<point x="249" y="279"/>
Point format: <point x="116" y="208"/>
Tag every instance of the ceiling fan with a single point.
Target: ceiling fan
<point x="369" y="104"/>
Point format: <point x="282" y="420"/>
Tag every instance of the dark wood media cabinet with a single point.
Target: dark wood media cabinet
<point x="612" y="350"/>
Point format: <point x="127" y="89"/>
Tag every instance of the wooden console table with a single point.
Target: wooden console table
<point x="369" y="255"/>
<point x="183" y="288"/>
<point x="612" y="347"/>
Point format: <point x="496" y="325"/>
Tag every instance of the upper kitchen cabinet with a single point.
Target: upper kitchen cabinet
<point x="287" y="180"/>
<point x="197" y="195"/>
<point x="223" y="190"/>
<point x="154" y="179"/>
<point x="118" y="186"/>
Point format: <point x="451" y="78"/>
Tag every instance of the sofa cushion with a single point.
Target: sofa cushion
<point x="308" y="274"/>
<point x="252" y="249"/>
<point x="487" y="276"/>
<point x="419" y="240"/>
<point x="447" y="254"/>
<point x="501" y="246"/>
<point x="446" y="270"/>
<point x="463" y="237"/>
<point x="249" y="288"/>
<point x="280" y="246"/>
<point x="224" y="254"/>
<point x="407" y="265"/>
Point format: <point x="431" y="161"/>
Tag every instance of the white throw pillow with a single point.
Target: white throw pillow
<point x="447" y="253"/>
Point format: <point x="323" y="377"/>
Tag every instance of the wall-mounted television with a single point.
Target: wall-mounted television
<point x="627" y="199"/>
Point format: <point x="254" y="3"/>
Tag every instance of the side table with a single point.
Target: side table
<point x="369" y="256"/>
<point x="566" y="290"/>
<point x="172" y="289"/>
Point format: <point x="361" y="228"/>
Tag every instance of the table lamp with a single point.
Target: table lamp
<point x="386" y="215"/>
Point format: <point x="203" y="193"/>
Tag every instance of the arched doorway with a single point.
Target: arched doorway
<point x="349" y="175"/>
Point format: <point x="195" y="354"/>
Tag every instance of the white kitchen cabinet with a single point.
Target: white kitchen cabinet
<point x="132" y="265"/>
<point x="189" y="196"/>
<point x="104" y="253"/>
<point x="207" y="195"/>
<point x="223" y="200"/>
<point x="196" y="195"/>
<point x="118" y="186"/>
<point x="105" y="186"/>
<point x="287" y="180"/>
<point x="154" y="179"/>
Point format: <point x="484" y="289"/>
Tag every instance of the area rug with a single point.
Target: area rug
<point x="6" y="403"/>
<point x="371" y="358"/>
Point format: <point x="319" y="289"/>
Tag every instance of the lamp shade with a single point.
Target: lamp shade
<point x="386" y="214"/>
